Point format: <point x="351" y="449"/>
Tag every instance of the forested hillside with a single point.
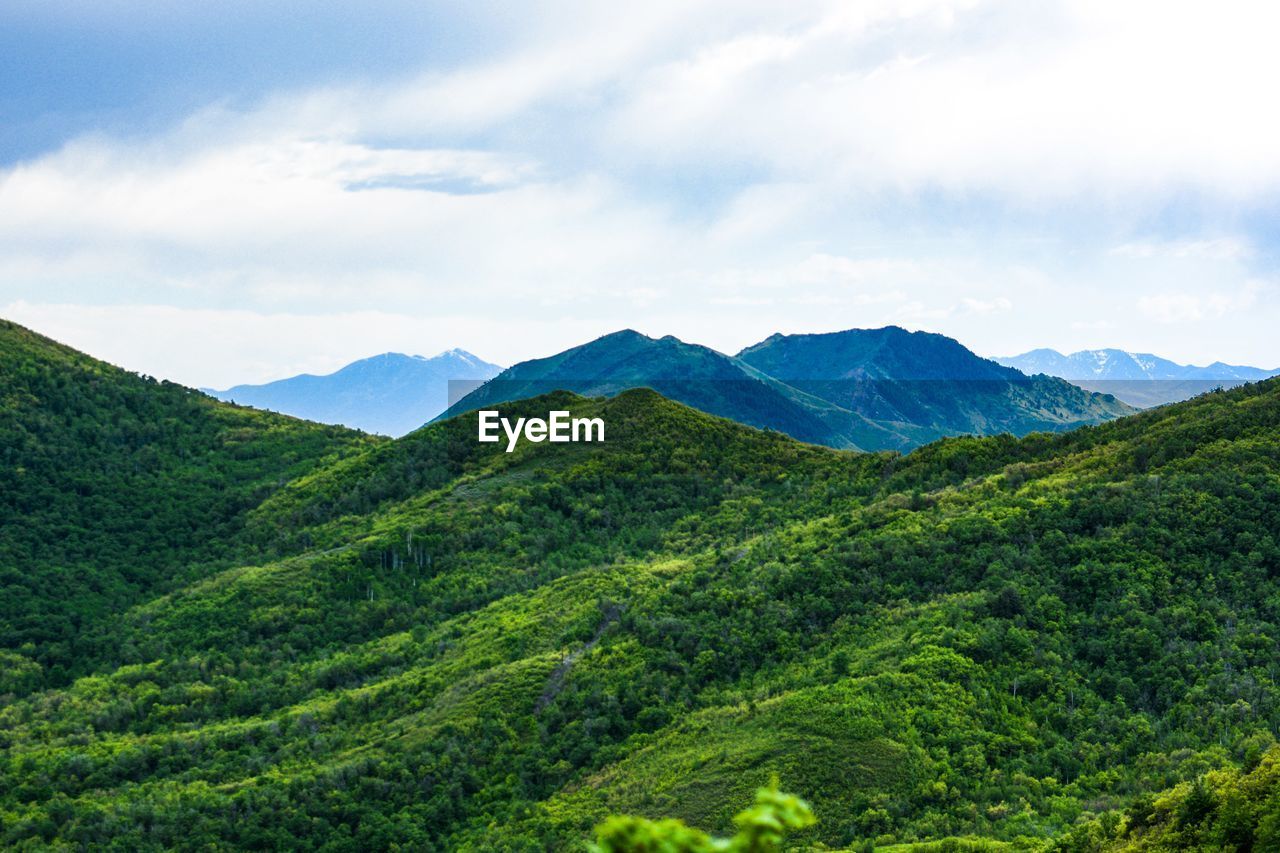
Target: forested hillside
<point x="434" y="644"/>
<point x="114" y="486"/>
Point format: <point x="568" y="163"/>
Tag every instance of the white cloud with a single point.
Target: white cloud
<point x="1189" y="307"/>
<point x="986" y="306"/>
<point x="859" y="279"/>
<point x="1216" y="249"/>
<point x="294" y="222"/>
<point x="718" y="170"/>
<point x="251" y="346"/>
<point x="1174" y="307"/>
<point x="1085" y="97"/>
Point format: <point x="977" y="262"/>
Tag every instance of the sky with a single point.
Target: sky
<point x="249" y="191"/>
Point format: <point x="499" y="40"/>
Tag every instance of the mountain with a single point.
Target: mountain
<point x="776" y="603"/>
<point x="1119" y="364"/>
<point x="927" y="382"/>
<point x="989" y="643"/>
<point x="861" y="389"/>
<point x="388" y="394"/>
<point x="1141" y="379"/>
<point x="229" y="628"/>
<point x="695" y="375"/>
<point x="114" y="487"/>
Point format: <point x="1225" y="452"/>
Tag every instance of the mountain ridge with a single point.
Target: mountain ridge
<point x="928" y="380"/>
<point x="1112" y="363"/>
<point x="388" y="394"/>
<point x="1141" y="379"/>
<point x="864" y="405"/>
<point x="695" y="374"/>
<point x="859" y="353"/>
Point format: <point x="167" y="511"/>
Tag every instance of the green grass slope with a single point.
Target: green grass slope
<point x="458" y="648"/>
<point x="114" y="486"/>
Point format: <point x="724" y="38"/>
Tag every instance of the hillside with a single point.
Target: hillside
<point x="114" y="486"/>
<point x="883" y="389"/>
<point x="1140" y="379"/>
<point x="389" y="394"/>
<point x="459" y="648"/>
<point x="1225" y="809"/>
<point x="925" y="382"/>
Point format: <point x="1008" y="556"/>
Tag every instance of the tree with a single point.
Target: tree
<point x="761" y="829"/>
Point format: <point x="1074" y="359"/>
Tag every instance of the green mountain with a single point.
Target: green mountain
<point x="882" y="389"/>
<point x="925" y="385"/>
<point x="113" y="487"/>
<point x="1051" y="642"/>
<point x="694" y="375"/>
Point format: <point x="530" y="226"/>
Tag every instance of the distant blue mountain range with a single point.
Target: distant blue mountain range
<point x="865" y="388"/>
<point x="391" y="394"/>
<point x="1138" y="378"/>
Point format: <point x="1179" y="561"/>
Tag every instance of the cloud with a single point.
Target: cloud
<point x="1217" y="249"/>
<point x="931" y="314"/>
<point x="1084" y="98"/>
<point x="998" y="305"/>
<point x="287" y="221"/>
<point x="680" y="167"/>
<point x="252" y="346"/>
<point x="860" y="279"/>
<point x="1174" y="308"/>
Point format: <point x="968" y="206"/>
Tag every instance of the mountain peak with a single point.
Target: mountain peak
<point x="887" y="352"/>
<point x="390" y="393"/>
<point x="621" y="336"/>
<point x="867" y="388"/>
<point x="1140" y="378"/>
<point x="455" y="354"/>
